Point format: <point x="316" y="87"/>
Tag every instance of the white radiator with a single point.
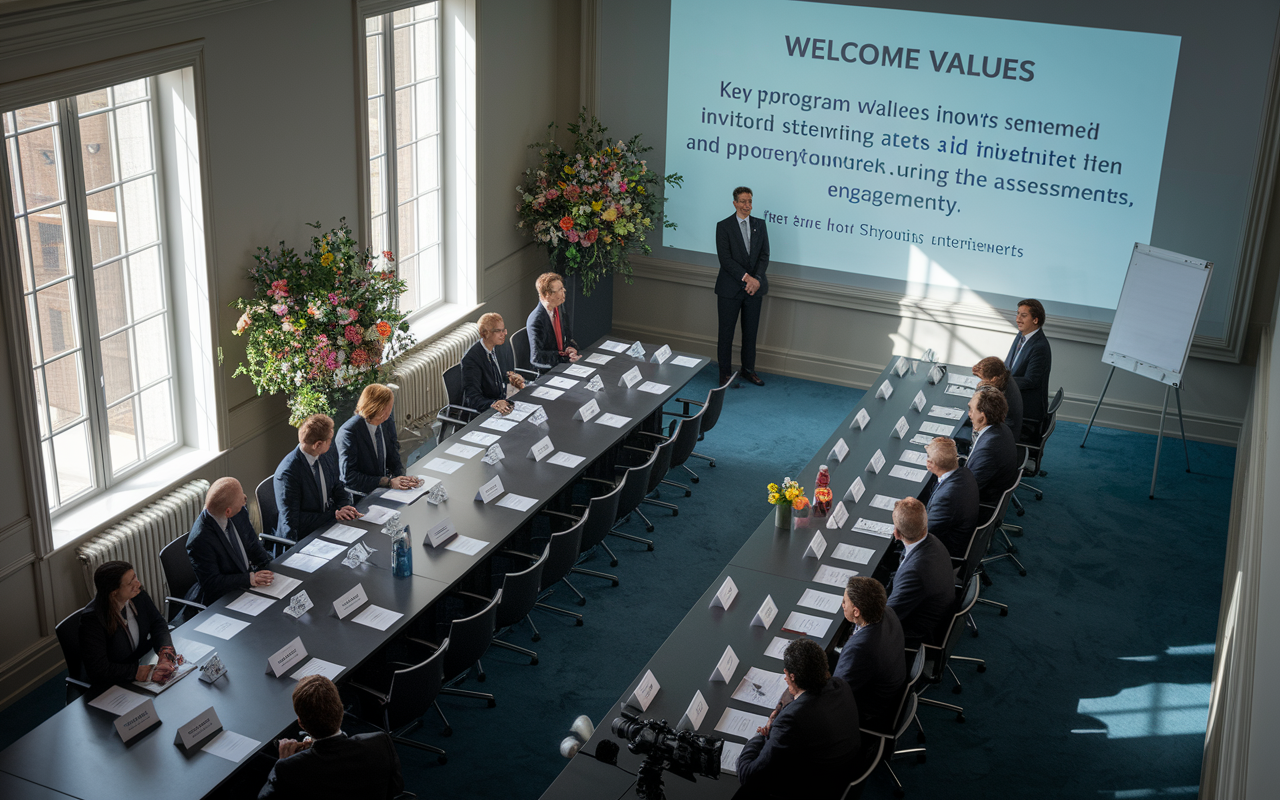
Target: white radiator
<point x="139" y="538"/>
<point x="418" y="374"/>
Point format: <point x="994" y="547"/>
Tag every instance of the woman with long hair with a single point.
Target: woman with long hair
<point x="119" y="626"/>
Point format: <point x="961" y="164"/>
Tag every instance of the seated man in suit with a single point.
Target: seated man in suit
<point x="550" y="338"/>
<point x="993" y="371"/>
<point x="923" y="588"/>
<point x="328" y="763"/>
<point x="1029" y="362"/>
<point x="225" y="552"/>
<point x="810" y="741"/>
<point x="871" y="661"/>
<point x="488" y="367"/>
<point x="952" y="504"/>
<point x="993" y="458"/>
<point x="368" y="447"/>
<point x="309" y="491"/>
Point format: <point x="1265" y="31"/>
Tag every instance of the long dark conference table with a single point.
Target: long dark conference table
<point x="77" y="753"/>
<point x="772" y="563"/>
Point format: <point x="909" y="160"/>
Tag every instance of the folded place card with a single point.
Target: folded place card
<point x="289" y="656"/>
<point x="817" y="546"/>
<point x="201" y="727"/>
<point x="901" y="429"/>
<point x="595" y="384"/>
<point x="537" y="416"/>
<point x="541" y="448"/>
<point x="764" y="617"/>
<point x="630" y="378"/>
<point x="299" y="604"/>
<point x="855" y="490"/>
<point x="490" y="490"/>
<point x="350" y="601"/>
<point x="137" y="721"/>
<point x="929" y="355"/>
<point x="494" y="454"/>
<point x="443" y="531"/>
<point x="884" y="391"/>
<point x="839" y="451"/>
<point x="839" y="516"/>
<point x="644" y="692"/>
<point x="860" y="419"/>
<point x="725" y="594"/>
<point x="661" y="355"/>
<point x="725" y="667"/>
<point x="587" y="410"/>
<point x="693" y="715"/>
<point x="936" y="374"/>
<point x="636" y="350"/>
<point x="876" y="462"/>
<point x="901" y="366"/>
<point x="918" y="402"/>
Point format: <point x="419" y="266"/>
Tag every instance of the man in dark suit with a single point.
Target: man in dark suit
<point x="742" y="245"/>
<point x="225" y="552"/>
<point x="993" y="458"/>
<point x="487" y="368"/>
<point x="550" y="337"/>
<point x="952" y="502"/>
<point x="871" y="660"/>
<point x="328" y="763"/>
<point x="923" y="588"/>
<point x="309" y="491"/>
<point x="1029" y="361"/>
<point x="368" y="446"/>
<point x="993" y="371"/>
<point x="811" y="741"/>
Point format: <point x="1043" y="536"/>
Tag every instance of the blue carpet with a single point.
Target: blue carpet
<point x="1097" y="681"/>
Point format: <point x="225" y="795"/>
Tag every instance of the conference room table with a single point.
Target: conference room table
<point x="77" y="752"/>
<point x="779" y="564"/>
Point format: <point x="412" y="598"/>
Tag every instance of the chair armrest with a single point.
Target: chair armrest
<point x="523" y="372"/>
<point x="267" y="537"/>
<point x="443" y="417"/>
<point x="677" y="414"/>
<point x="79" y="683"/>
<point x="876" y="734"/>
<point x="474" y="596"/>
<point x="598" y="480"/>
<point x="379" y="696"/>
<point x="698" y="403"/>
<point x="637" y="449"/>
<point x="518" y="554"/>
<point x="424" y="643"/>
<point x="180" y="601"/>
<point x="562" y="514"/>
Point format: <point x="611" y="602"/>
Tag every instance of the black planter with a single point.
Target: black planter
<point x="589" y="317"/>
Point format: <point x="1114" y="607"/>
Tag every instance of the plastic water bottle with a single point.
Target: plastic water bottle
<point x="402" y="554"/>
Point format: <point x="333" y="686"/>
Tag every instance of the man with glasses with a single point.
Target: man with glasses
<point x="225" y="552"/>
<point x="550" y="338"/>
<point x="488" y="367"/>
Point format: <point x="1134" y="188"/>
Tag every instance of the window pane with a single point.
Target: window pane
<point x="104" y="225"/>
<point x="373" y="24"/>
<point x="408" y="241"/>
<point x="117" y="366"/>
<point x="404" y="174"/>
<point x="48" y="231"/>
<point x="130" y="91"/>
<point x="71" y="453"/>
<point x="377" y="192"/>
<point x="373" y="64"/>
<point x="152" y="349"/>
<point x="66" y="391"/>
<point x="15" y="179"/>
<point x="404" y="116"/>
<point x="430" y="290"/>
<point x="57" y="319"/>
<point x="428" y="215"/>
<point x="402" y="16"/>
<point x="140" y="224"/>
<point x="133" y="131"/>
<point x="96" y="151"/>
<point x="146" y="287"/>
<point x="33" y="337"/>
<point x="42" y="408"/>
<point x="378" y="230"/>
<point x="403" y="51"/>
<point x="157" y="416"/>
<point x="428" y="155"/>
<point x="50" y="485"/>
<point x="425" y="10"/>
<point x="424" y="42"/>
<point x="35" y="115"/>
<point x="409" y="273"/>
<point x="375" y="127"/>
<point x="108" y="285"/>
<point x="92" y="101"/>
<point x="123" y="433"/>
<point x="426" y="108"/>
<point x="38" y="154"/>
<point x="24" y="253"/>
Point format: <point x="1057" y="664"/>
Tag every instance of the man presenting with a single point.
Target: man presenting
<point x="742" y="245"/>
<point x="1029" y="361"/>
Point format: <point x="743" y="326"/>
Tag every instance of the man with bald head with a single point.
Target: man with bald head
<point x="922" y="592"/>
<point x="225" y="552"/>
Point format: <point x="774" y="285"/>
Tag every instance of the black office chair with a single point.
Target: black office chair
<point x="601" y="513"/>
<point x="887" y="740"/>
<point x="634" y="481"/>
<point x="519" y="595"/>
<point x="1035" y="451"/>
<point x="661" y="465"/>
<point x="971" y="564"/>
<point x="520" y="354"/>
<point x="469" y="638"/>
<point x="711" y="414"/>
<point x="686" y="438"/>
<point x="411" y="691"/>
<point x="68" y="632"/>
<point x="938" y="657"/>
<point x="454" y="416"/>
<point x="562" y="553"/>
<point x="1010" y="551"/>
<point x="267" y="511"/>
<point x="178" y="573"/>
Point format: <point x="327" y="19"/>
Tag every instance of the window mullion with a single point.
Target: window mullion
<point x="390" y="184"/>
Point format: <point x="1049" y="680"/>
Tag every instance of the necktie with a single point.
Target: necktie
<point x="1014" y="351"/>
<point x="236" y="546"/>
<point x="555" y="323"/>
<point x="746" y="233"/>
<point x="382" y="451"/>
<point x="315" y="470"/>
<point x="497" y="371"/>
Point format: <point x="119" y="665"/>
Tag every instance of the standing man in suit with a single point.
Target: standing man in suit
<point x="993" y="459"/>
<point x="871" y="661"/>
<point x="225" y="552"/>
<point x="1029" y="361"/>
<point x="742" y="245"/>
<point x="328" y="763"/>
<point x="309" y="490"/>
<point x="953" y="500"/>
<point x="487" y="367"/>
<point x="810" y="741"/>
<point x="368" y="446"/>
<point x="550" y="337"/>
<point x="923" y="589"/>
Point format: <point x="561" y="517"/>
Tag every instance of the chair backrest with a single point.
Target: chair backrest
<point x="635" y="485"/>
<point x="266" y="494"/>
<point x="981" y="538"/>
<point x="715" y="402"/>
<point x="68" y="632"/>
<point x="469" y="638"/>
<point x="520" y="592"/>
<point x="414" y="689"/>
<point x="687" y="437"/>
<point x="177" y="567"/>
<point x="563" y="551"/>
<point x="662" y="460"/>
<point x="906" y="708"/>
<point x="519" y="341"/>
<point x="453" y="384"/>
<point x="603" y="513"/>
<point x="955" y="628"/>
<point x="1046" y="428"/>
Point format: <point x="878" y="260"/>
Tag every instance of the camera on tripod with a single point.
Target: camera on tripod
<point x="682" y="753"/>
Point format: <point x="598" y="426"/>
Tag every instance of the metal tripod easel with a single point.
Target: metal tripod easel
<point x="1155" y="468"/>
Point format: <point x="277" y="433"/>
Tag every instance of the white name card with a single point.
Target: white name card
<point x="137" y="720"/>
<point x="645" y="692"/>
<point x="884" y="391"/>
<point x="595" y="384"/>
<point x="839" y="451"/>
<point x="725" y="667"/>
<point x="876" y="463"/>
<point x="901" y="366"/>
<point x="287" y="657"/>
<point x="494" y="454"/>
<point x="860" y="419"/>
<point x="692" y="719"/>
<point x="299" y="604"/>
<point x="636" y="350"/>
<point x="442" y="531"/>
<point x="349" y="602"/>
<point x="817" y="546"/>
<point x="538" y="416"/>
<point x="764" y="617"/>
<point x="918" y="403"/>
<point x="490" y="490"/>
<point x="201" y="727"/>
<point x="660" y="355"/>
<point x="725" y="594"/>
<point x="630" y="378"/>
<point x="587" y="410"/>
<point x="855" y="490"/>
<point x="541" y="448"/>
<point x="839" y="515"/>
<point x="900" y="430"/>
<point x="935" y="374"/>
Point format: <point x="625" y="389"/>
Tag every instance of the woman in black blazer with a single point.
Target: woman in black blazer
<point x="119" y="626"/>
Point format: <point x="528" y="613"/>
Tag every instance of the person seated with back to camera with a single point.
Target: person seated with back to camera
<point x="922" y="591"/>
<point x="871" y="660"/>
<point x="951" y="497"/>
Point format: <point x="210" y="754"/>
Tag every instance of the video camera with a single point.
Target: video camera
<point x="683" y="753"/>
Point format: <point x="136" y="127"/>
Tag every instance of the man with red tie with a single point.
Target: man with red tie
<point x="550" y="338"/>
<point x="1029" y="362"/>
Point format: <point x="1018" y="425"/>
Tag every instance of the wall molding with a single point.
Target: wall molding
<point x="29" y="669"/>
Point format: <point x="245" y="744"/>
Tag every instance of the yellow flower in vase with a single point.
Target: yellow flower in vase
<point x="773" y="498"/>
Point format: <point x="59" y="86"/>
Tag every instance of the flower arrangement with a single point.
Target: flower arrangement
<point x="321" y="326"/>
<point x="789" y="494"/>
<point x="593" y="204"/>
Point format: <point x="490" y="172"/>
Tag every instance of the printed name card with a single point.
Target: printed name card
<point x="817" y="546"/>
<point x="595" y="384"/>
<point x="541" y="448"/>
<point x="839" y="515"/>
<point x="876" y="463"/>
<point x="201" y="727"/>
<point x="693" y="715"/>
<point x="538" y="416"/>
<point x="884" y="391"/>
<point x="645" y="692"/>
<point x="725" y="594"/>
<point x="636" y="350"/>
<point x="630" y="378"/>
<point x="443" y="531"/>
<point x="900" y="430"/>
<point x="918" y="403"/>
<point x="725" y="667"/>
<point x="855" y="490"/>
<point x="137" y="720"/>
<point x="494" y="454"/>
<point x="936" y="374"/>
<point x="660" y="355"/>
<point x="901" y="366"/>
<point x="289" y="656"/>
<point x="764" y="617"/>
<point x="299" y="604"/>
<point x="587" y="410"/>
<point x="348" y="602"/>
<point x="839" y="451"/>
<point x="490" y="490"/>
<point x="860" y="419"/>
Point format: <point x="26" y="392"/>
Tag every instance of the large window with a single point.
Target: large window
<point x="87" y="212"/>
<point x="402" y="67"/>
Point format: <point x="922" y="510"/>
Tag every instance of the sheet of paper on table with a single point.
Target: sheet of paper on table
<point x="222" y="626"/>
<point x="377" y="617"/>
<point x="614" y="347"/>
<point x="946" y="412"/>
<point x="156" y="688"/>
<point x="377" y="514"/>
<point x="921" y="439"/>
<point x="908" y="473"/>
<point x="729" y="753"/>
<point x="579" y="370"/>
<point x="653" y="388"/>
<point x="193" y="651"/>
<point x="807" y="624"/>
<point x="346" y="533"/>
<point x="443" y="465"/>
<point x="250" y="604"/>
<point x="318" y="666"/>
<point x="833" y="576"/>
<point x="777" y="647"/>
<point x="232" y="746"/>
<point x="280" y="586"/>
<point x="319" y="548"/>
<point x="760" y="687"/>
<point x="496" y="423"/>
<point x="547" y="393"/>
<point x="913" y="457"/>
<point x="304" y="563"/>
<point x="959" y="391"/>
<point x="117" y="700"/>
<point x="463" y="450"/>
<point x="521" y="411"/>
<point x="850" y="552"/>
<point x="466" y="545"/>
<point x="517" y="502"/>
<point x="612" y="420"/>
<point x="600" y="358"/>
<point x="741" y="724"/>
<point x="563" y="459"/>
<point x="883" y="501"/>
<point x="820" y="601"/>
<point x="561" y="382"/>
<point x="882" y="529"/>
<point x="481" y="438"/>
<point x="684" y="361"/>
<point x="409" y="495"/>
<point x="937" y="428"/>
